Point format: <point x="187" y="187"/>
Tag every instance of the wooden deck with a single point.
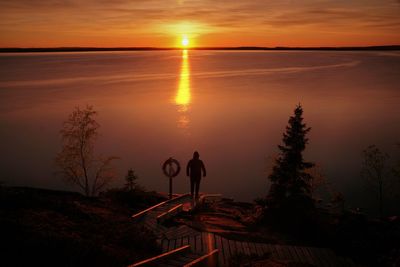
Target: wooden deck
<point x="205" y="245"/>
<point x="206" y="242"/>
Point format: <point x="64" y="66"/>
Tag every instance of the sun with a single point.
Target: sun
<point x="185" y="41"/>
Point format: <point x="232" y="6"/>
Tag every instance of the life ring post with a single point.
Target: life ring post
<point x="170" y="188"/>
<point x="171" y="169"/>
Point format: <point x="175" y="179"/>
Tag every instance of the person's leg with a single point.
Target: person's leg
<point x="192" y="182"/>
<point x="197" y="187"/>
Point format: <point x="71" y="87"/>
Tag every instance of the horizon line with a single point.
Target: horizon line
<point x="150" y="48"/>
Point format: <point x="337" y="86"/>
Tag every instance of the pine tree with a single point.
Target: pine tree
<point x="289" y="177"/>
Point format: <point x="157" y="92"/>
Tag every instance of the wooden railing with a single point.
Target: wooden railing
<point x="209" y="259"/>
<point x="143" y="212"/>
<point x="169" y="213"/>
<point x="162" y="257"/>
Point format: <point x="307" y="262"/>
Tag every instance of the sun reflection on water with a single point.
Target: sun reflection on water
<point x="183" y="95"/>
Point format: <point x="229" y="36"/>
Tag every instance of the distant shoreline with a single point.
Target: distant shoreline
<point x="240" y="48"/>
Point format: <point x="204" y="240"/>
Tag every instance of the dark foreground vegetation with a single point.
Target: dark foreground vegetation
<point x="58" y="228"/>
<point x="41" y="227"/>
<point x="291" y="208"/>
<point x="368" y="242"/>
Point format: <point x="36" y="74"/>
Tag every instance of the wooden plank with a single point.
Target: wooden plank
<point x="153" y="260"/>
<point x="264" y="250"/>
<point x="260" y="251"/>
<point x="300" y="254"/>
<point x="174" y="230"/>
<point x="178" y="262"/>
<point x="320" y="256"/>
<point x="281" y="254"/>
<point x="153" y="228"/>
<point x="181" y="198"/>
<point x="179" y="242"/>
<point x="293" y="254"/>
<point x="198" y="243"/>
<point x="226" y="249"/>
<point x="310" y="256"/>
<point x="208" y="259"/>
<point x="287" y="253"/>
<point x="186" y="259"/>
<point x="269" y="249"/>
<point x="272" y="250"/>
<point x="170" y="231"/>
<point x="246" y="248"/>
<point x="211" y="242"/>
<point x="162" y="208"/>
<point x="275" y="251"/>
<point x="208" y="241"/>
<point x="232" y="247"/>
<point x="185" y="232"/>
<point x="141" y="213"/>
<point x="191" y="256"/>
<point x="239" y="248"/>
<point x="323" y="257"/>
<point x="207" y="198"/>
<point x="171" y="244"/>
<point x="304" y="256"/>
<point x="218" y="242"/>
<point x="164" y="245"/>
<point x="177" y="232"/>
<point x="253" y="249"/>
<point x="203" y="242"/>
<point x="192" y="242"/>
<point x="185" y="240"/>
<point x="150" y="223"/>
<point x="169" y="213"/>
<point x="215" y="241"/>
<point x="330" y="257"/>
<point x="317" y="256"/>
<point x="219" y="246"/>
<point x="349" y="262"/>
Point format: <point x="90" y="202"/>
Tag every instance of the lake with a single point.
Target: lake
<point x="230" y="106"/>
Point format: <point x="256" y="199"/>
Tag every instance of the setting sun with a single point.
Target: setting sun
<point x="185" y="41"/>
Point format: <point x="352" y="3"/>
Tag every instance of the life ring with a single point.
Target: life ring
<point x="171" y="171"/>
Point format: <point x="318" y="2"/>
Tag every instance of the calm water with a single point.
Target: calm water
<point x="230" y="106"/>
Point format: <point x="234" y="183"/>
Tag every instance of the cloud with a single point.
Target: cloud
<point x="146" y="17"/>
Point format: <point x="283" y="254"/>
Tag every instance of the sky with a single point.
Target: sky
<point x="163" y="23"/>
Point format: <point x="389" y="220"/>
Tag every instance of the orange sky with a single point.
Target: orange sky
<point x="161" y="23"/>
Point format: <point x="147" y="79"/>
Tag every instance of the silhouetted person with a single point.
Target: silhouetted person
<point x="193" y="169"/>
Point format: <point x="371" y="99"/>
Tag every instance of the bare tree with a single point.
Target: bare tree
<point x="375" y="171"/>
<point x="396" y="168"/>
<point x="396" y="174"/>
<point x="76" y="161"/>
